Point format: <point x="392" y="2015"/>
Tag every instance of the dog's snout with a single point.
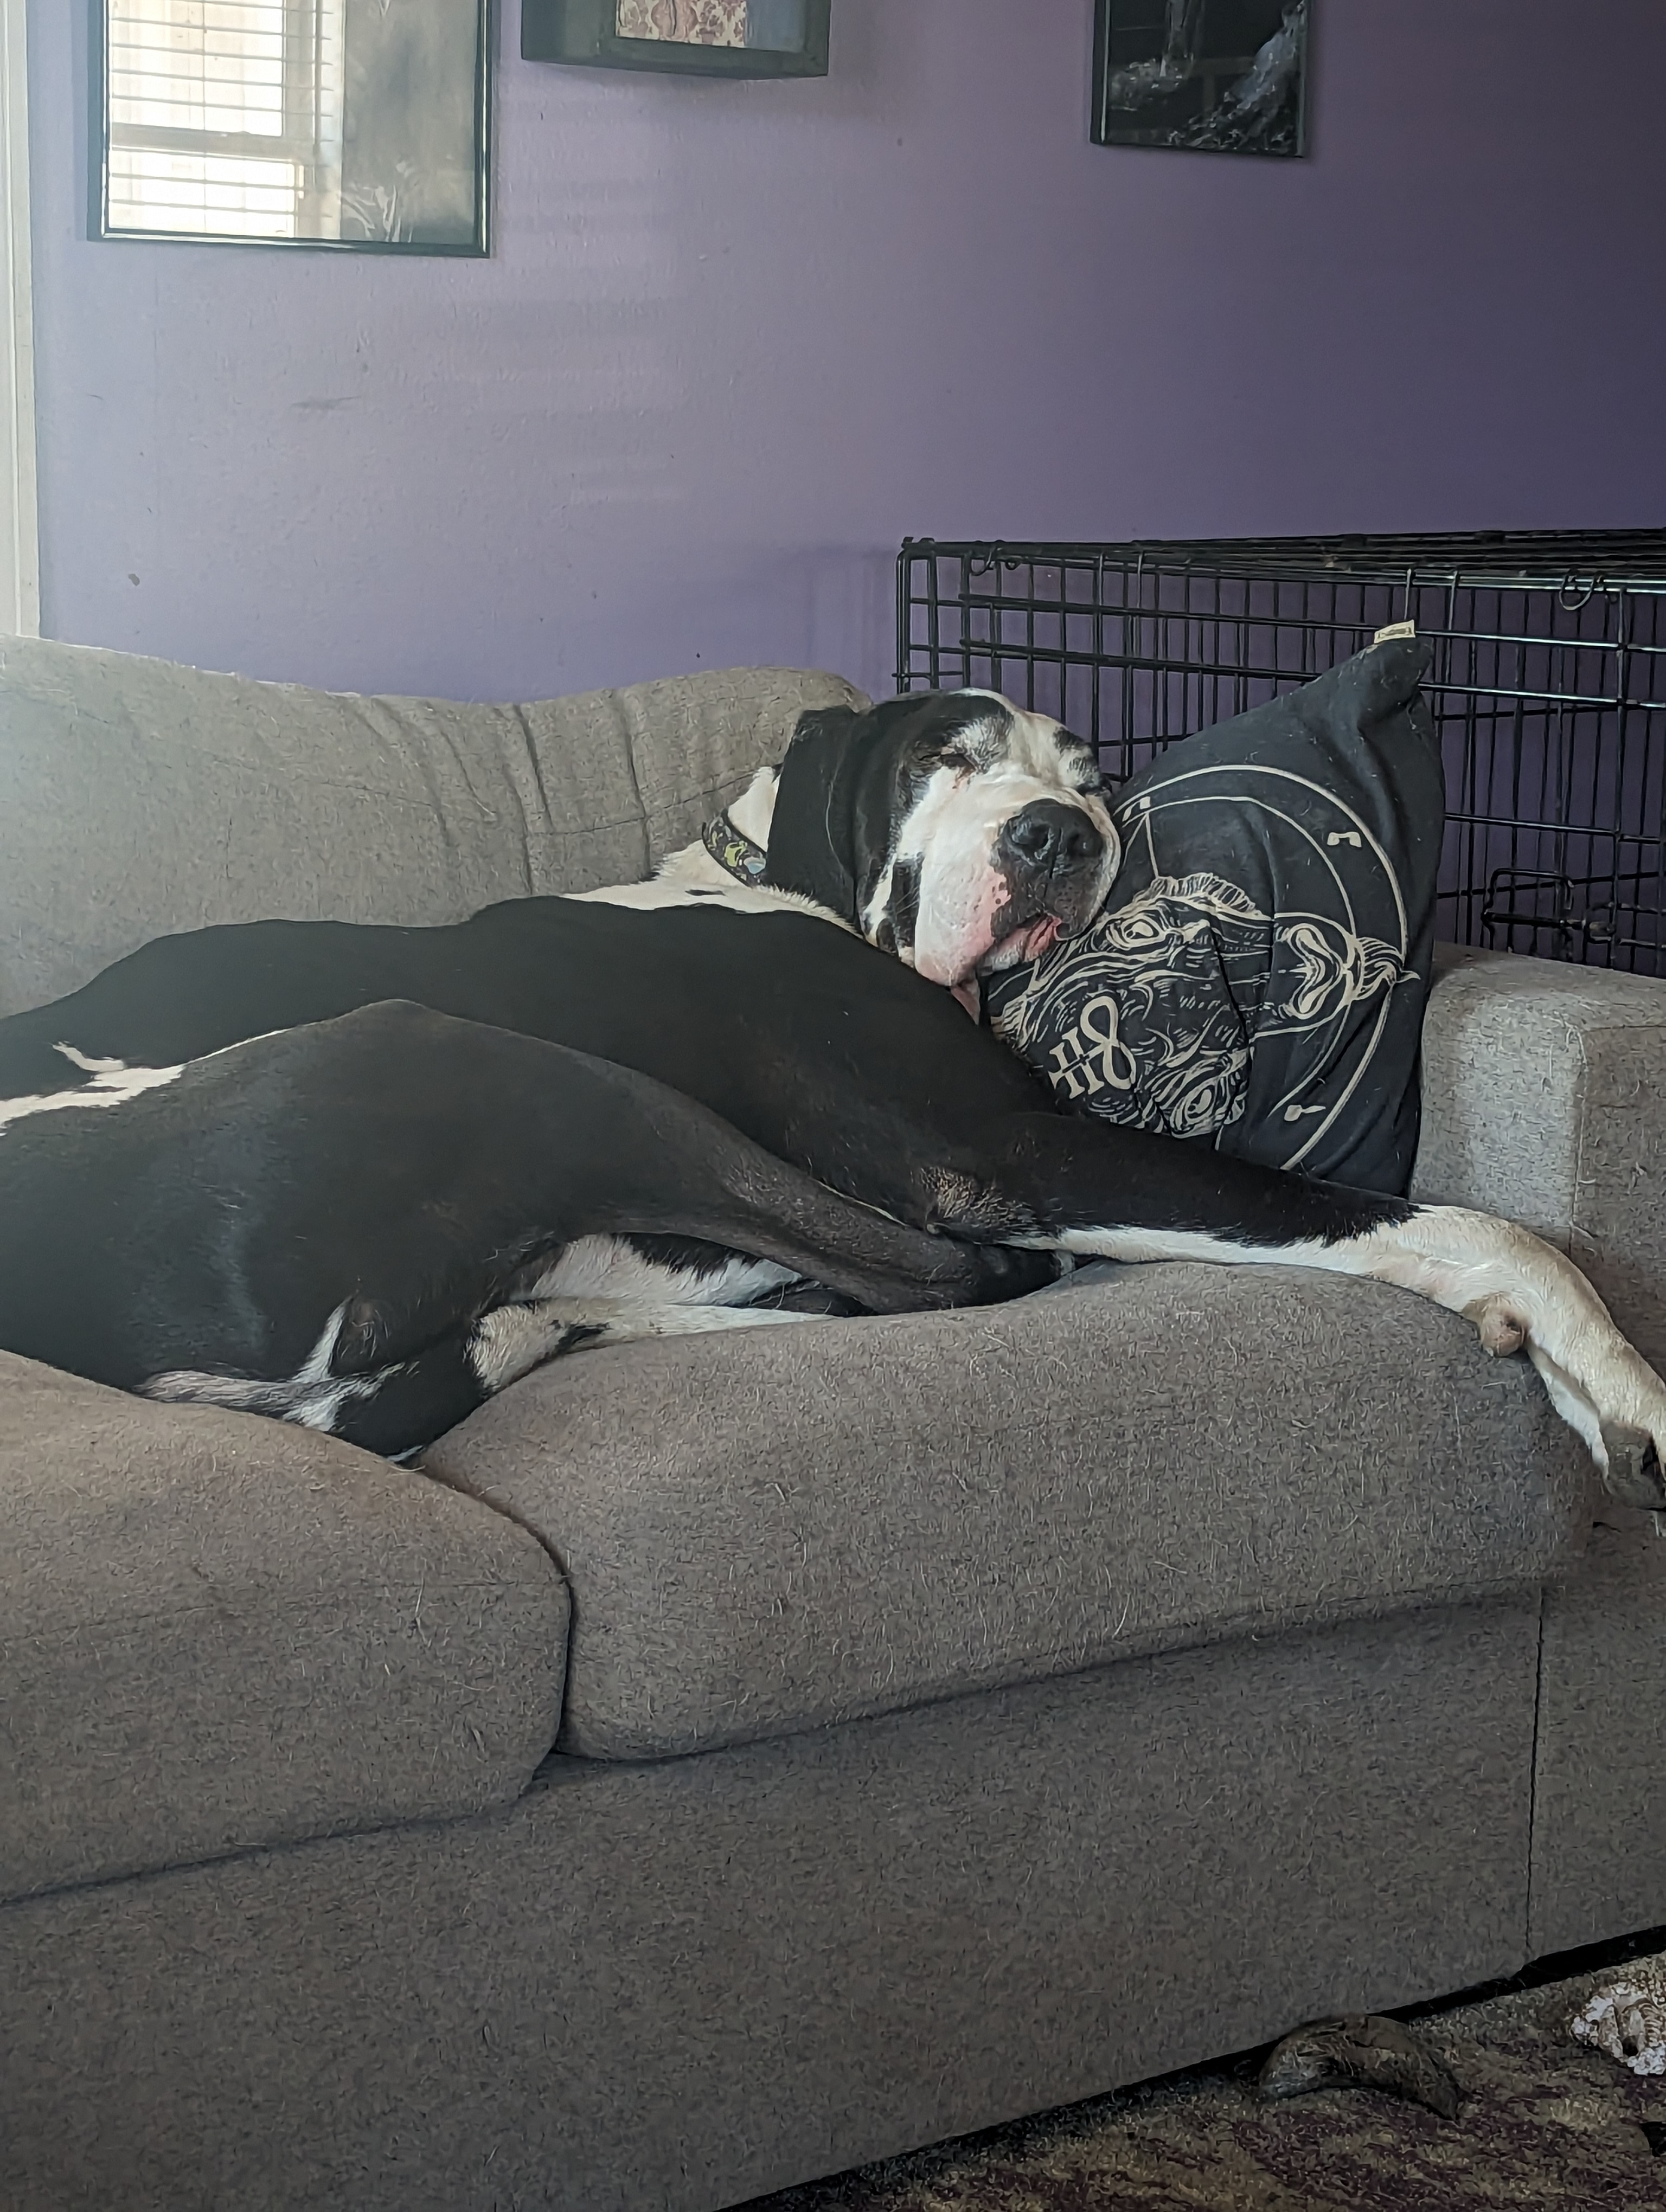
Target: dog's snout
<point x="1053" y="838"/>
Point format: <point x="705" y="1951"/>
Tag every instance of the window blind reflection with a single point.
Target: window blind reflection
<point x="225" y="116"/>
<point x="345" y="122"/>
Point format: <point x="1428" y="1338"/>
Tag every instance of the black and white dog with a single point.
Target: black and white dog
<point x="362" y="1178"/>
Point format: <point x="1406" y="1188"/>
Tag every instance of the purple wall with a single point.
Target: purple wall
<point x="736" y="340"/>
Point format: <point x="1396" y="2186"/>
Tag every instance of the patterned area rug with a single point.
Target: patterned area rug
<point x="1547" y="2125"/>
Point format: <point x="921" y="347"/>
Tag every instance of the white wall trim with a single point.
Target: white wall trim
<point x="19" y="538"/>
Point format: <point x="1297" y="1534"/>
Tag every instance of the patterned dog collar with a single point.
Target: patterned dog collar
<point x="734" y="851"/>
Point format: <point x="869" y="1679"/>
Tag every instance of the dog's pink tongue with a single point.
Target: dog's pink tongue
<point x="969" y="994"/>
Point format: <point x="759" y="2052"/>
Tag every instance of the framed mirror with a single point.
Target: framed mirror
<point x="358" y="125"/>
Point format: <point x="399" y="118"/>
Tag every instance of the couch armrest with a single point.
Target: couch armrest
<point x="1543" y="1100"/>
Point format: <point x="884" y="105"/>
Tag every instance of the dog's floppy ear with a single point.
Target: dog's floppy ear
<point x="809" y="831"/>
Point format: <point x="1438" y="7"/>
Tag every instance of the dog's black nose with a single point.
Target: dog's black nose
<point x="1053" y="838"/>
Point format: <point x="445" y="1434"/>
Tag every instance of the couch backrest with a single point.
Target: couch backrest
<point x="138" y="798"/>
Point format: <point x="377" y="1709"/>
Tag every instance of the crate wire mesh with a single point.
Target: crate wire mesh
<point x="1548" y="688"/>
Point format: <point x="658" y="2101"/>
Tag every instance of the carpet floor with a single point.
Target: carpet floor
<point x="1547" y="2125"/>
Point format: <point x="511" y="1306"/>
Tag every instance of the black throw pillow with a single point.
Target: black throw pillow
<point x="1257" y="978"/>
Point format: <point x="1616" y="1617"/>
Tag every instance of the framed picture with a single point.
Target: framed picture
<point x="1213" y="77"/>
<point x="693" y="38"/>
<point x="362" y="125"/>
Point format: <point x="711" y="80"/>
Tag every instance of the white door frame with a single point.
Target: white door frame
<point x="20" y="540"/>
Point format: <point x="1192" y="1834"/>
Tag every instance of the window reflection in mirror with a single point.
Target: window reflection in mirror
<point x="343" y="123"/>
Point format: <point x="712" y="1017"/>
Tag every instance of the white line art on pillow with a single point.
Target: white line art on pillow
<point x="1130" y="1018"/>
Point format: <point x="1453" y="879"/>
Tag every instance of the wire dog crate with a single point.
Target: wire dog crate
<point x="1548" y="688"/>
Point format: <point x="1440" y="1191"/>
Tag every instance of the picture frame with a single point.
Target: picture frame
<point x="337" y="125"/>
<point x="684" y="37"/>
<point x="1213" y="77"/>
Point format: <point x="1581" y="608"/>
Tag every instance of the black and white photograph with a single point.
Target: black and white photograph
<point x="1215" y="76"/>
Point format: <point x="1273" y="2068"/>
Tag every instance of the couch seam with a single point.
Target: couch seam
<point x="350" y="1829"/>
<point x="1173" y="1640"/>
<point x="506" y="1512"/>
<point x="1531" y="1898"/>
<point x="242" y="1601"/>
<point x="629" y="719"/>
<point x="535" y="766"/>
<point x="1580" y="1127"/>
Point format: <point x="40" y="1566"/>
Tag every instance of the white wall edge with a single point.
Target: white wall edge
<point x="20" y="535"/>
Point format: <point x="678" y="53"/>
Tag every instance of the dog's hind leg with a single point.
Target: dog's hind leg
<point x="382" y="1408"/>
<point x="414" y="1173"/>
<point x="510" y="1341"/>
<point x="425" y="1395"/>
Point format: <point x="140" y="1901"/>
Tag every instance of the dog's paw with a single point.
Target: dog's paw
<point x="1520" y="1293"/>
<point x="1606" y="1390"/>
<point x="1011" y="1270"/>
<point x="1633" y="1474"/>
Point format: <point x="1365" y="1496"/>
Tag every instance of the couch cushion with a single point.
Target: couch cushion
<point x="137" y="797"/>
<point x="217" y="1632"/>
<point x="772" y="1530"/>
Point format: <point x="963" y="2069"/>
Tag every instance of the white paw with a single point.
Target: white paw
<point x="1616" y="1403"/>
<point x="1626" y="2018"/>
<point x="1520" y="1292"/>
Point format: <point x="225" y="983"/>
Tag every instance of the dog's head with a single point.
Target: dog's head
<point x="962" y="832"/>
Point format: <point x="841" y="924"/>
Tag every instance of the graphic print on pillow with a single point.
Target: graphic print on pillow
<point x="1257" y="978"/>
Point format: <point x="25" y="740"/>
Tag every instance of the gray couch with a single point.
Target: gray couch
<point x="739" y="1757"/>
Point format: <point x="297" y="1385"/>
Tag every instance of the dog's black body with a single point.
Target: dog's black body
<point x="363" y="1221"/>
<point x="201" y="1230"/>
<point x="815" y="1046"/>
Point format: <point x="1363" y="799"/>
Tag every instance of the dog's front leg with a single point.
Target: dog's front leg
<point x="1522" y="1293"/>
<point x="1125" y="1195"/>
